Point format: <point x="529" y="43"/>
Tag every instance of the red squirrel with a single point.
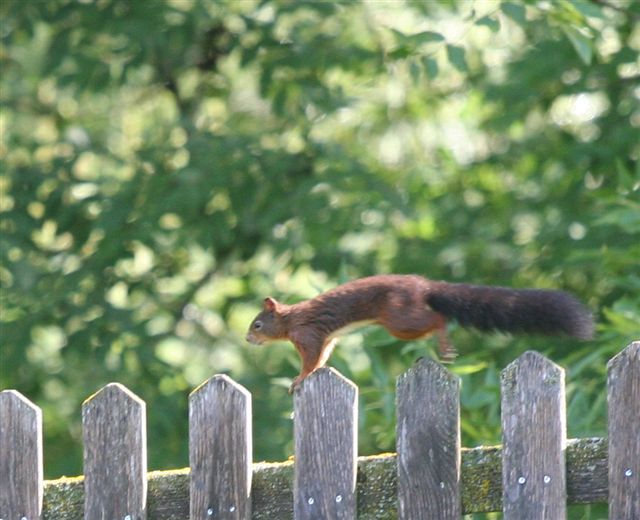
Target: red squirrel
<point x="412" y="307"/>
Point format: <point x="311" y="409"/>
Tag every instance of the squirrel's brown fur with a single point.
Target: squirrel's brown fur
<point x="412" y="307"/>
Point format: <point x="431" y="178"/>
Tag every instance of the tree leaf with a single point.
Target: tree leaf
<point x="414" y="70"/>
<point x="588" y="9"/>
<point x="492" y="23"/>
<point x="456" y="55"/>
<point x="427" y="37"/>
<point x="408" y="43"/>
<point x="581" y="43"/>
<point x="401" y="52"/>
<point x="431" y="67"/>
<point x="516" y="12"/>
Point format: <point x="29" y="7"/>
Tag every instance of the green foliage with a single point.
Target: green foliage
<point x="166" y="165"/>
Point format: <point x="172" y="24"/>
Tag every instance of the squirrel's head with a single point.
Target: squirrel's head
<point x="267" y="325"/>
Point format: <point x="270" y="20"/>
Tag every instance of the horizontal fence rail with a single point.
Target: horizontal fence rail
<point x="534" y="474"/>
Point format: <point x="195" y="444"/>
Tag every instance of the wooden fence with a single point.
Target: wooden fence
<point x="532" y="476"/>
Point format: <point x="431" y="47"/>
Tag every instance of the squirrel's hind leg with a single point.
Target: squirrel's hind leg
<point x="410" y="324"/>
<point x="446" y="349"/>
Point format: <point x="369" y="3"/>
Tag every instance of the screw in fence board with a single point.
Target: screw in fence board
<point x="220" y="450"/>
<point x="534" y="439"/>
<point x="623" y="397"/>
<point x="20" y="457"/>
<point x="115" y="455"/>
<point x="326" y="441"/>
<point x="428" y="442"/>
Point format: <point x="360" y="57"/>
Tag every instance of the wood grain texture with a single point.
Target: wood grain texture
<point x="623" y="396"/>
<point x="534" y="439"/>
<point x="21" y="484"/>
<point x="428" y="442"/>
<point x="220" y="450"/>
<point x="115" y="455"/>
<point x="325" y="436"/>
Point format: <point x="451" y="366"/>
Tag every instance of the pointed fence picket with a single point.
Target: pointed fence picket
<point x="623" y="396"/>
<point x="533" y="439"/>
<point x="115" y="455"/>
<point x="326" y="439"/>
<point x="20" y="457"/>
<point x="220" y="450"/>
<point x="428" y="442"/>
<point x="534" y="474"/>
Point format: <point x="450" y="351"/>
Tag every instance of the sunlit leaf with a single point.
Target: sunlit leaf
<point x="588" y="9"/>
<point x="581" y="43"/>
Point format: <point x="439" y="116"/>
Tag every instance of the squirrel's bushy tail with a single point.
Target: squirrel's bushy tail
<point x="535" y="311"/>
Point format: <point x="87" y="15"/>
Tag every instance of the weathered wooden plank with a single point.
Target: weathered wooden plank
<point x="115" y="455"/>
<point x="325" y="438"/>
<point x="272" y="489"/>
<point x="428" y="442"/>
<point x="586" y="461"/>
<point x="623" y="397"/>
<point x="20" y="457"/>
<point x="534" y="439"/>
<point x="220" y="450"/>
<point x="64" y="499"/>
<point x="377" y="487"/>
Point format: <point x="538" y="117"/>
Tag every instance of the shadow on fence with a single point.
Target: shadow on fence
<point x="533" y="475"/>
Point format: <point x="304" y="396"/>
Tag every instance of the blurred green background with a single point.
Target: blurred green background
<point x="168" y="164"/>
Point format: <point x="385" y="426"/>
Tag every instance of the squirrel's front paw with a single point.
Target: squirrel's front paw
<point x="294" y="386"/>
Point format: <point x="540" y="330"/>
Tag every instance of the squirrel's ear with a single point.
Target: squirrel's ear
<point x="270" y="304"/>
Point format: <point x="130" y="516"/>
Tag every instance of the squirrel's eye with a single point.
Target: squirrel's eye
<point x="257" y="325"/>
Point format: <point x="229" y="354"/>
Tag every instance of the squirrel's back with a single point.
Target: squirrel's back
<point x="487" y="308"/>
<point x="363" y="299"/>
